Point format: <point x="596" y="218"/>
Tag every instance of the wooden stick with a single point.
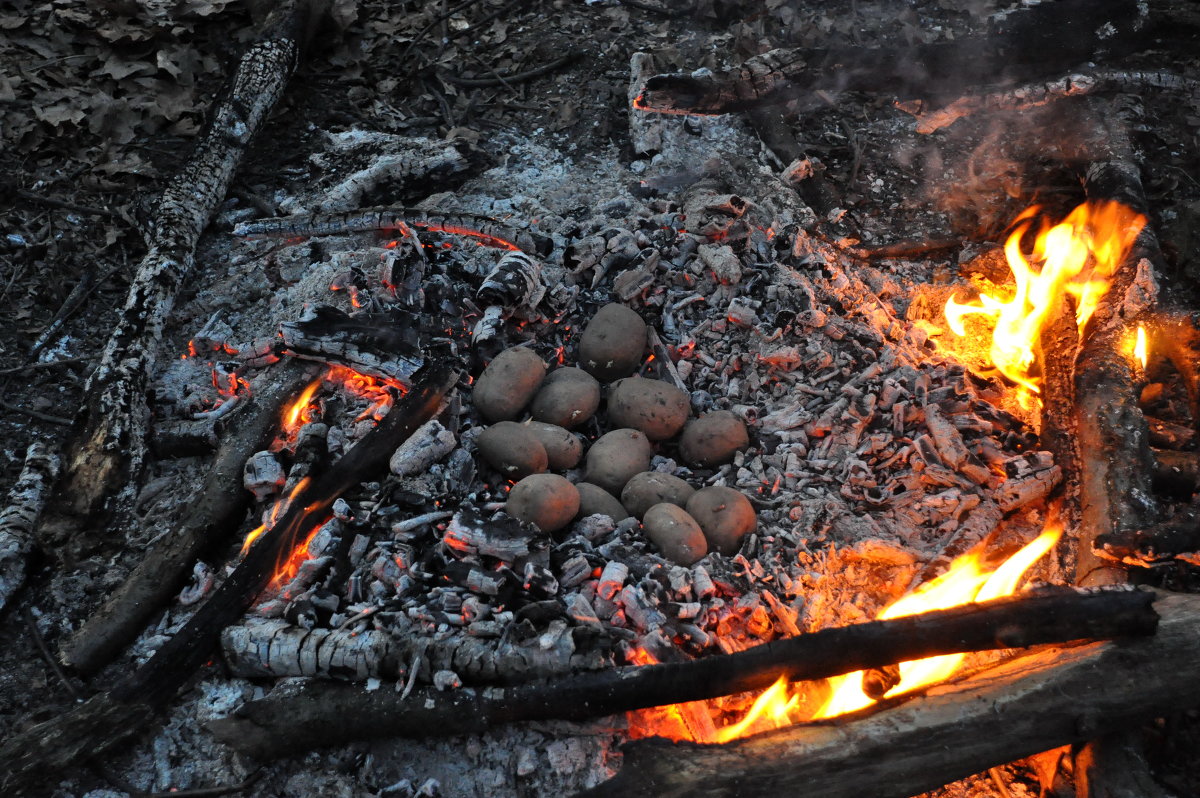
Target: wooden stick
<point x="108" y="451"/>
<point x="327" y="715"/>
<point x="1021" y="707"/>
<point x="216" y="509"/>
<point x="109" y="719"/>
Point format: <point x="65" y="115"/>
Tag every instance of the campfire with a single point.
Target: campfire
<point x="645" y="475"/>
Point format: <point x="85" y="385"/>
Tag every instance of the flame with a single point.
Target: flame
<point x="295" y="415"/>
<point x="965" y="581"/>
<point x="774" y="705"/>
<point x="1078" y="257"/>
<point x="1140" y="351"/>
<point x="287" y="570"/>
<point x="276" y="510"/>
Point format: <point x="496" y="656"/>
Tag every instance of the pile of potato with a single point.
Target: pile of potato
<point x="683" y="522"/>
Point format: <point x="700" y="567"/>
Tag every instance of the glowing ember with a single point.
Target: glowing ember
<point x="1078" y="257"/>
<point x="287" y="570"/>
<point x="774" y="705"/>
<point x="966" y="581"/>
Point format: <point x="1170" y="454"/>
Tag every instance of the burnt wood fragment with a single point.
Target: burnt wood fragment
<point x="483" y="229"/>
<point x="331" y="714"/>
<point x="378" y="344"/>
<point x="109" y="446"/>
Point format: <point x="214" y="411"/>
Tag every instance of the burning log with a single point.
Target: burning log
<point x="279" y="726"/>
<point x="219" y="506"/>
<point x="1018" y="708"/>
<point x="1039" y="94"/>
<point x="484" y="229"/>
<point x="111" y="718"/>
<point x="25" y="502"/>
<point x="376" y="344"/>
<point x="110" y="443"/>
<point x="1036" y="42"/>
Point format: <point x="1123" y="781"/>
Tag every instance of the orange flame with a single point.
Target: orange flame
<point x="1140" y="348"/>
<point x="276" y="510"/>
<point x="287" y="570"/>
<point x="966" y="581"/>
<point x="1078" y="257"/>
<point x="295" y="415"/>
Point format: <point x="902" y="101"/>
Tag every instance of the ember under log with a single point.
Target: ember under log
<point x="109" y="719"/>
<point x="109" y="447"/>
<point x="209" y="518"/>
<point x="318" y="715"/>
<point x="1023" y="706"/>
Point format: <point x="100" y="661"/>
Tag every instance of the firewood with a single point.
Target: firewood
<point x="1177" y="537"/>
<point x="484" y="229"/>
<point x="279" y="726"/>
<point x="25" y="502"/>
<point x="1038" y="94"/>
<point x="109" y="447"/>
<point x="1039" y="42"/>
<point x="1176" y="472"/>
<point x="376" y="344"/>
<point x="1021" y="707"/>
<point x="112" y="718"/>
<point x="218" y="507"/>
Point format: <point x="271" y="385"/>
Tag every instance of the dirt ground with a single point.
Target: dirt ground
<point x="102" y="99"/>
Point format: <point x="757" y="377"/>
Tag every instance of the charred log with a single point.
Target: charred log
<point x="377" y="344"/>
<point x="1021" y="707"/>
<point x="484" y="229"/>
<point x="209" y="518"/>
<point x="1038" y="42"/>
<point x="280" y="726"/>
<point x="109" y="447"/>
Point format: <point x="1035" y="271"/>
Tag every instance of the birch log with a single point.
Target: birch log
<point x="25" y="502"/>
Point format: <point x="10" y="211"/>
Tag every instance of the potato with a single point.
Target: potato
<point x="713" y="439"/>
<point x="617" y="456"/>
<point x="725" y="515"/>
<point x="547" y="501"/>
<point x="563" y="449"/>
<point x="657" y="408"/>
<point x="568" y="398"/>
<point x="508" y="383"/>
<point x="613" y="343"/>
<point x="649" y="488"/>
<point x="676" y="533"/>
<point x="594" y="499"/>
<point x="512" y="449"/>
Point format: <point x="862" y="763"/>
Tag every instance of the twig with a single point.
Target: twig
<point x="49" y="419"/>
<point x="67" y="206"/>
<point x="519" y="77"/>
<point x="43" y="649"/>
<point x="204" y="792"/>
<point x="433" y="24"/>
<point x="47" y="364"/>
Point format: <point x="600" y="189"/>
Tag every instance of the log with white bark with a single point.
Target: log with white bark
<point x="25" y="502"/>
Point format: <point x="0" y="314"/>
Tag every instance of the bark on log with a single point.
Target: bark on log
<point x="1021" y="707"/>
<point x="49" y="747"/>
<point x="25" y="502"/>
<point x="484" y="229"/>
<point x="376" y="344"/>
<point x="319" y="716"/>
<point x="1038" y="42"/>
<point x="109" y="446"/>
<point x="219" y="507"/>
